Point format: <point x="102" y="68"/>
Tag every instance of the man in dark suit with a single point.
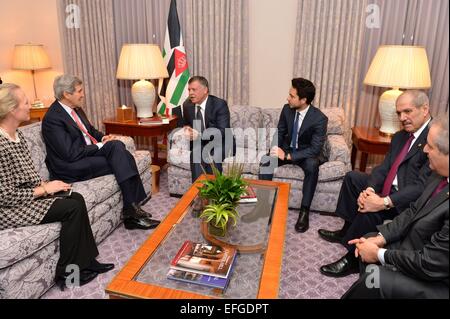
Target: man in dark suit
<point x="76" y="151"/>
<point x="206" y="122"/>
<point x="365" y="201"/>
<point x="301" y="133"/>
<point x="413" y="249"/>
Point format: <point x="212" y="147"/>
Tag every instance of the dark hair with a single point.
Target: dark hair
<point x="202" y="80"/>
<point x="305" y="89"/>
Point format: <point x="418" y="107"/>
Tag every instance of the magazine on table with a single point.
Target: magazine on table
<point x="199" y="279"/>
<point x="205" y="259"/>
<point x="249" y="196"/>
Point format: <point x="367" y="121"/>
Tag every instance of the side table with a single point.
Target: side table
<point x="133" y="128"/>
<point x="368" y="140"/>
<point x="36" y="115"/>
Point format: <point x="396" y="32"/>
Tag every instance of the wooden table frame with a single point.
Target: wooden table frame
<point x="124" y="285"/>
<point x="133" y="128"/>
<point x="369" y="141"/>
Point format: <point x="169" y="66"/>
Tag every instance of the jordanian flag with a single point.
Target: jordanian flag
<point x="174" y="90"/>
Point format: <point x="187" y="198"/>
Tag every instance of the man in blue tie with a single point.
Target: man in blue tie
<point x="365" y="201"/>
<point x="301" y="133"/>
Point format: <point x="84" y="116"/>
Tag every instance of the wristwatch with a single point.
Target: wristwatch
<point x="386" y="203"/>
<point x="286" y="156"/>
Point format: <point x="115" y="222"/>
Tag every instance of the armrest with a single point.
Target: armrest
<point x="337" y="149"/>
<point x="129" y="143"/>
<point x="179" y="152"/>
<point x="178" y="141"/>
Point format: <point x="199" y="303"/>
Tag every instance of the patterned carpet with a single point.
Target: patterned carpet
<point x="303" y="255"/>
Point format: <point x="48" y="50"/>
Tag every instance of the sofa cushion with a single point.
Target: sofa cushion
<point x="97" y="190"/>
<point x="19" y="243"/>
<point x="245" y="121"/>
<point x="328" y="171"/>
<point x="250" y="157"/>
<point x="36" y="144"/>
<point x="336" y="120"/>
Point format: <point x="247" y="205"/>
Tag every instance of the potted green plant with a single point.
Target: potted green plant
<point x="222" y="193"/>
<point x="218" y="217"/>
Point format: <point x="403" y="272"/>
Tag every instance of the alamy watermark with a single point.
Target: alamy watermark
<point x="373" y="277"/>
<point x="373" y="17"/>
<point x="73" y="17"/>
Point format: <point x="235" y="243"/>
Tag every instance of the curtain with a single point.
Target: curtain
<point x="431" y="31"/>
<point x="328" y="50"/>
<point x="215" y="35"/>
<point x="408" y="22"/>
<point x="334" y="49"/>
<point x="89" y="53"/>
<point x="217" y="44"/>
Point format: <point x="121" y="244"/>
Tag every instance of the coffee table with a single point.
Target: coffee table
<point x="255" y="275"/>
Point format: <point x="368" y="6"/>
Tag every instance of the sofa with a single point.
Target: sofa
<point x="252" y="145"/>
<point x="28" y="255"/>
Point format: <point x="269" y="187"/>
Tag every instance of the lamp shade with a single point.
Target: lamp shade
<point x="141" y="61"/>
<point x="398" y="66"/>
<point x="30" y="57"/>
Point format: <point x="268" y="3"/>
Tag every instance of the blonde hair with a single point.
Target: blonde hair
<point x="8" y="98"/>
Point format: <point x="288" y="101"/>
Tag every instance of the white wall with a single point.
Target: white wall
<point x="32" y="21"/>
<point x="272" y="37"/>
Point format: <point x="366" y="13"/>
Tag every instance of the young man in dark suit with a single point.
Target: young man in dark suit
<point x="365" y="201"/>
<point x="413" y="249"/>
<point x="206" y="122"/>
<point x="76" y="151"/>
<point x="301" y="133"/>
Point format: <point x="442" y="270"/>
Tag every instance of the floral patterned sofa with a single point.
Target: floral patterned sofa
<point x="28" y="255"/>
<point x="252" y="145"/>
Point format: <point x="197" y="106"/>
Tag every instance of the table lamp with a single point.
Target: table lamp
<point x="397" y="67"/>
<point x="141" y="62"/>
<point x="31" y="57"/>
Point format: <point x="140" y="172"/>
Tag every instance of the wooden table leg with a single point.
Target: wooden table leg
<point x="363" y="161"/>
<point x="353" y="158"/>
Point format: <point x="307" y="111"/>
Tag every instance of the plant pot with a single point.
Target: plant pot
<point x="217" y="231"/>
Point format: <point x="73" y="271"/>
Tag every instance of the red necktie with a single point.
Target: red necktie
<point x="81" y="127"/>
<point x="440" y="187"/>
<point x="394" y="168"/>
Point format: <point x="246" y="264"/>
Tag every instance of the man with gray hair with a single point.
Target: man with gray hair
<point x="413" y="249"/>
<point x="76" y="151"/>
<point x="365" y="201"/>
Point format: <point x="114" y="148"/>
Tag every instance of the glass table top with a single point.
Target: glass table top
<point x="253" y="228"/>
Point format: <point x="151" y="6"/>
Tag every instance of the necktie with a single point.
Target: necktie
<point x="295" y="131"/>
<point x="81" y="127"/>
<point x="394" y="168"/>
<point x="199" y="117"/>
<point x="440" y="187"/>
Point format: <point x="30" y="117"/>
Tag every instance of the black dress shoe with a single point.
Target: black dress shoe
<point x="64" y="281"/>
<point x="343" y="267"/>
<point x="302" y="224"/>
<point x="335" y="236"/>
<point x="140" y="223"/>
<point x="136" y="211"/>
<point x="100" y="268"/>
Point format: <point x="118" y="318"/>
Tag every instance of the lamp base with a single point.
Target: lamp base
<point x="144" y="94"/>
<point x="390" y="123"/>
